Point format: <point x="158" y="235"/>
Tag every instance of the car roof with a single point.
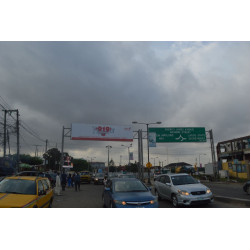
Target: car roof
<point x="31" y="178"/>
<point x="124" y="179"/>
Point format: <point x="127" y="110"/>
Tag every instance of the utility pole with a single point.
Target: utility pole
<point x="18" y="141"/>
<point x="36" y="150"/>
<point x="8" y="139"/>
<point x="17" y="132"/>
<point x="46" y="146"/>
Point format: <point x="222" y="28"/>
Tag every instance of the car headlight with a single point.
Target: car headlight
<point x="120" y="202"/>
<point x="208" y="191"/>
<point x="183" y="192"/>
<point x="153" y="201"/>
<point x="96" y="179"/>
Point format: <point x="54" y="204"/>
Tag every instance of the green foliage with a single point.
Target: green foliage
<point x="52" y="158"/>
<point x="31" y="160"/>
<point x="112" y="169"/>
<point x="80" y="165"/>
<point x="111" y="163"/>
<point x="133" y="167"/>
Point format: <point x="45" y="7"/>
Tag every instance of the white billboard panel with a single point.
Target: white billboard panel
<point x="99" y="132"/>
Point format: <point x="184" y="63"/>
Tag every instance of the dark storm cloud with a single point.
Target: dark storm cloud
<point x="181" y="84"/>
<point x="85" y="81"/>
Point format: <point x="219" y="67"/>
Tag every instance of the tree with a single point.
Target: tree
<point x="80" y="165"/>
<point x="112" y="169"/>
<point x="52" y="157"/>
<point x="111" y="163"/>
<point x="28" y="159"/>
<point x="133" y="167"/>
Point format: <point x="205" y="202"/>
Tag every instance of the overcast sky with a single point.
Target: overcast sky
<point x="181" y="84"/>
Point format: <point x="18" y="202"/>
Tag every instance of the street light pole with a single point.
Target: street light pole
<point x="199" y="159"/>
<point x="154" y="162"/>
<point x="91" y="158"/>
<point x="128" y="152"/>
<point x="147" y="124"/>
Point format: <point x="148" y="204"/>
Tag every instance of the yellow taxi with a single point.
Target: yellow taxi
<point x="85" y="176"/>
<point x="25" y="191"/>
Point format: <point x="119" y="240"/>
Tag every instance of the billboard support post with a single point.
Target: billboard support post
<point x="108" y="147"/>
<point x="62" y="148"/>
<point x="215" y="168"/>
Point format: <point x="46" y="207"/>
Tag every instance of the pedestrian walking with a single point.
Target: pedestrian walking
<point x="63" y="180"/>
<point x="69" y="180"/>
<point x="105" y="181"/>
<point x="73" y="180"/>
<point x="58" y="188"/>
<point x="77" y="182"/>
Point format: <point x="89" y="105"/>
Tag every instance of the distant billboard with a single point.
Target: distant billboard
<point x="100" y="132"/>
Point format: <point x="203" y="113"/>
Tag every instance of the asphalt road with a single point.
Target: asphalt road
<point x="90" y="196"/>
<point x="229" y="189"/>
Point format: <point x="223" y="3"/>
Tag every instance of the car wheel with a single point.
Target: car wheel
<point x="174" y="200"/>
<point x="157" y="195"/>
<point x="248" y="189"/>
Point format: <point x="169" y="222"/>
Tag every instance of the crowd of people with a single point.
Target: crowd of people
<point x="67" y="180"/>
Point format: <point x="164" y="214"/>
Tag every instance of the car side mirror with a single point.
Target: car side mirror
<point x="150" y="188"/>
<point x="199" y="181"/>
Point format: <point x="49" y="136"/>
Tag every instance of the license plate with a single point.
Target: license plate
<point x="200" y="199"/>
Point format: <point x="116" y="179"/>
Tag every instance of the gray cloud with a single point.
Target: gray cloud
<point x="181" y="84"/>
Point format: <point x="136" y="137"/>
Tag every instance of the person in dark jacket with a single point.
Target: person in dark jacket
<point x="63" y="180"/>
<point x="73" y="180"/>
<point x="69" y="180"/>
<point x="77" y="181"/>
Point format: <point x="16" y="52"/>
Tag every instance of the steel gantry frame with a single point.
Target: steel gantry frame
<point x="64" y="134"/>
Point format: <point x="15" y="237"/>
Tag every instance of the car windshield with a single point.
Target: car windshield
<point x="99" y="175"/>
<point x="126" y="176"/>
<point x="129" y="186"/>
<point x="16" y="186"/>
<point x="85" y="173"/>
<point x="183" y="180"/>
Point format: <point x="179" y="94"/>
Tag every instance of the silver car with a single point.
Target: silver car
<point x="182" y="189"/>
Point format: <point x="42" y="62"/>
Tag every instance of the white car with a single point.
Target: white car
<point x="182" y="189"/>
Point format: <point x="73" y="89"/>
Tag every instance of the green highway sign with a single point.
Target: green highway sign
<point x="196" y="134"/>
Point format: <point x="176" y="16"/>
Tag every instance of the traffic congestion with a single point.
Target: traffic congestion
<point x="36" y="189"/>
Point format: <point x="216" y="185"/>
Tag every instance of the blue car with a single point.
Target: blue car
<point x="128" y="193"/>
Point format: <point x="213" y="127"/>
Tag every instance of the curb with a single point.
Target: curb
<point x="241" y="202"/>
